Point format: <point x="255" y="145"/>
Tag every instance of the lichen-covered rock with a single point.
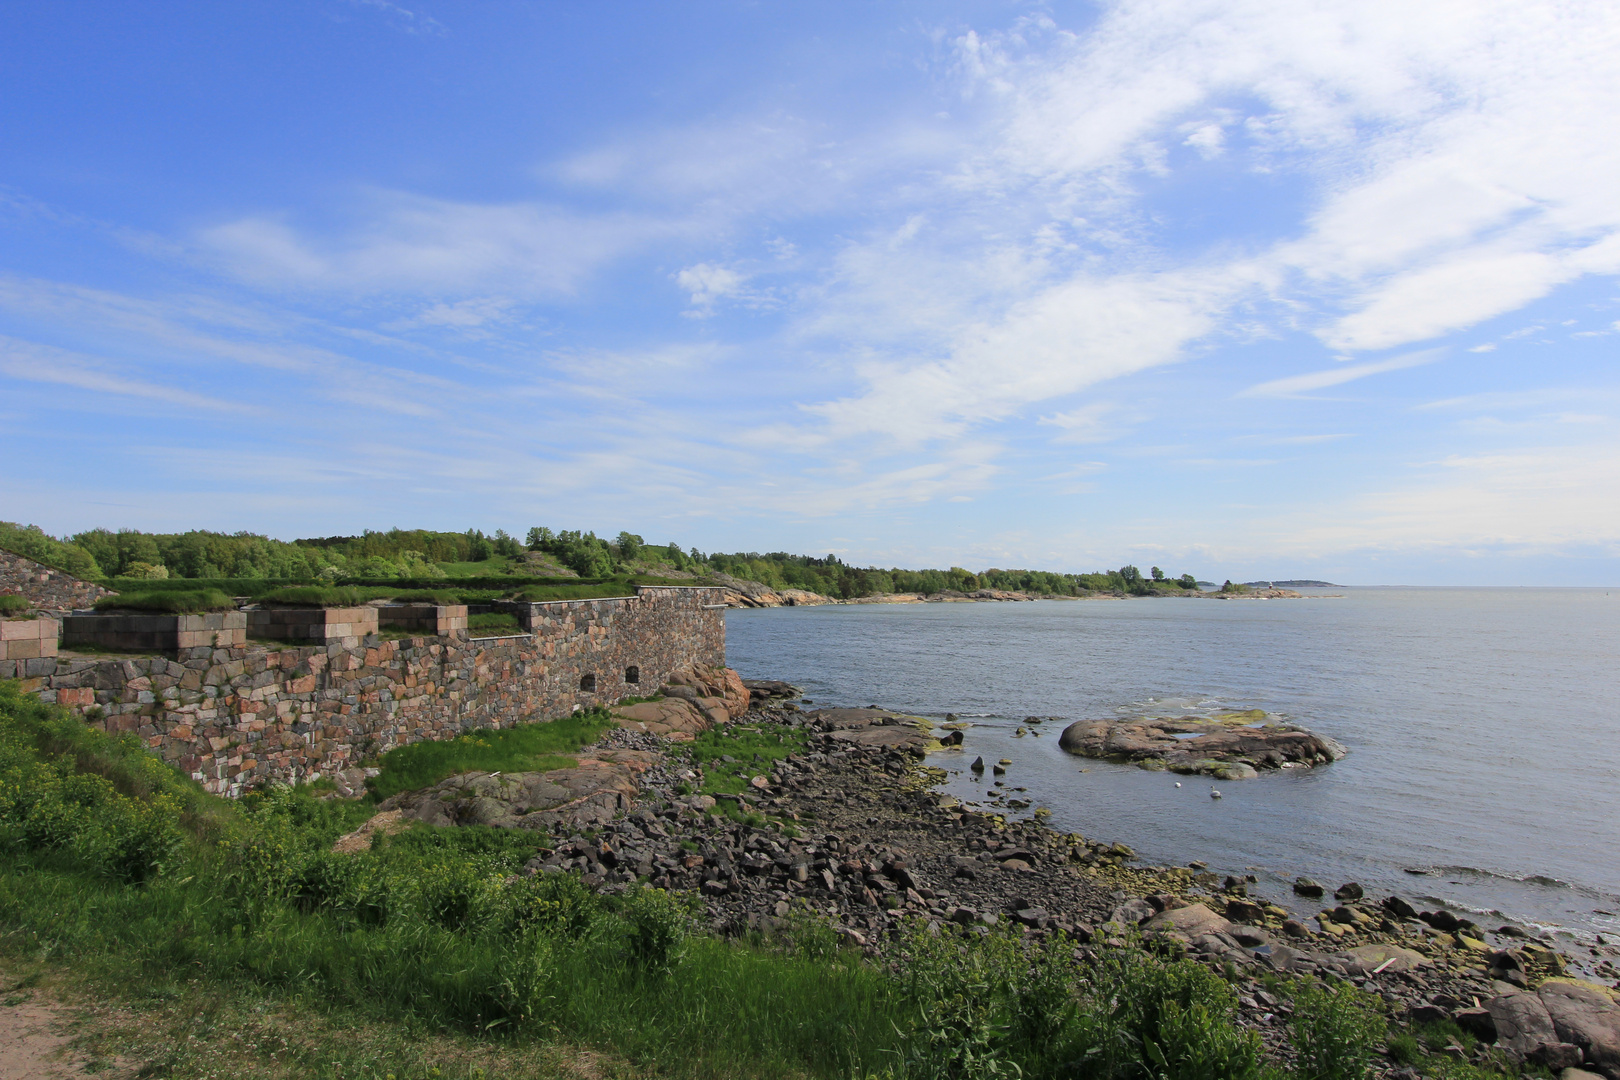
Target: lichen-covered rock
<point x="1230" y="746"/>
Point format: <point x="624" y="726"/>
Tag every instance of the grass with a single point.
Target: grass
<point x="525" y="748"/>
<point x="427" y="596"/>
<point x="493" y="620"/>
<point x="169" y="601"/>
<point x="320" y="596"/>
<point x="12" y="604"/>
<point x="752" y="752"/>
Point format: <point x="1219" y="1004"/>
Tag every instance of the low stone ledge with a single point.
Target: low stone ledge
<point x="157" y="633"/>
<point x="313" y="624"/>
<point x="28" y="639"/>
<point x="435" y="619"/>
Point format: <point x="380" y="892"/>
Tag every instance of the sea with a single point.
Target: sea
<point x="1483" y="728"/>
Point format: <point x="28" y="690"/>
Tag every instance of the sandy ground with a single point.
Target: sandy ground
<point x="34" y="1038"/>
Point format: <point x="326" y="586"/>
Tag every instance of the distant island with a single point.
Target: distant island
<point x="1296" y="584"/>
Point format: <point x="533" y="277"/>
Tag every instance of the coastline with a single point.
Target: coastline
<point x="851" y="828"/>
<point x="752" y="594"/>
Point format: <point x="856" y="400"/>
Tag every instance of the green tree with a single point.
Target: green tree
<point x="1158" y="575"/>
<point x="629" y="545"/>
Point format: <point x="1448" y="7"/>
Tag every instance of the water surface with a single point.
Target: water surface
<point x="1483" y="727"/>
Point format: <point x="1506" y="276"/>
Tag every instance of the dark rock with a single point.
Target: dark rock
<point x="1245" y="911"/>
<point x="1307" y="888"/>
<point x="1477" y="1022"/>
<point x="1295" y="929"/>
<point x="1428" y="1014"/>
<point x="1399" y="908"/>
<point x="1441" y="920"/>
<point x="1348" y="891"/>
<point x="1558" y="1056"/>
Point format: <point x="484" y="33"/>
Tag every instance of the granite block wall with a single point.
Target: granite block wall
<point x="27" y="639"/>
<point x="234" y="717"/>
<point x="157" y="632"/>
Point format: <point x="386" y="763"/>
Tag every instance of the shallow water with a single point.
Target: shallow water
<point x="1483" y="727"/>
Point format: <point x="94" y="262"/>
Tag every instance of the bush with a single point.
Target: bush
<point x="176" y="602"/>
<point x="12" y="604"/>
<point x="659" y="924"/>
<point x="1168" y="1020"/>
<point x="1336" y="1032"/>
<point x="47" y="804"/>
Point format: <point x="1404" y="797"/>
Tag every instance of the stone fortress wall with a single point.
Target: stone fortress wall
<point x="233" y="717"/>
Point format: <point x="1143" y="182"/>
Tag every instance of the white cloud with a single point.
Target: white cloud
<point x="708" y="283"/>
<point x="411" y="244"/>
<point x="1296" y="385"/>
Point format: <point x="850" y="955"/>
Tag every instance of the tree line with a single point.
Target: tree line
<point x="421" y="554"/>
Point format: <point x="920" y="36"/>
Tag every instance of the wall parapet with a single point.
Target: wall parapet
<point x="238" y="716"/>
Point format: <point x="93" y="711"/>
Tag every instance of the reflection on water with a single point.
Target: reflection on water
<point x="1484" y="768"/>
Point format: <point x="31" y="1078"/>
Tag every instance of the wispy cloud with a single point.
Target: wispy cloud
<point x="1298" y="385"/>
<point x="42" y="364"/>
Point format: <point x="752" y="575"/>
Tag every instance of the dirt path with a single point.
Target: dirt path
<point x="35" y="1038"/>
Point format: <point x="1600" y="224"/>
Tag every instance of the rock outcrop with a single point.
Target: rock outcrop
<point x="1229" y="746"/>
<point x="876" y="728"/>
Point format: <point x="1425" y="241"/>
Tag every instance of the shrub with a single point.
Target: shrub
<point x="177" y="602"/>
<point x="1336" y="1032"/>
<point x="1169" y="1020"/>
<point x="12" y="604"/>
<point x="659" y="924"/>
<point x="48" y="805"/>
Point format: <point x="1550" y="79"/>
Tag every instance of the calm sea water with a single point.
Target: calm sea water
<point x="1483" y="727"/>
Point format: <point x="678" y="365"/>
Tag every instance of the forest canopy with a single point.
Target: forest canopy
<point x="420" y="554"/>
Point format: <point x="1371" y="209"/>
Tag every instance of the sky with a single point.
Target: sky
<point x="1247" y="289"/>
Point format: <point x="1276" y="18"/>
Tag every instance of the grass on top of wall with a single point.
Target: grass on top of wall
<point x="169" y="602"/>
<point x="12" y="604"/>
<point x="525" y="748"/>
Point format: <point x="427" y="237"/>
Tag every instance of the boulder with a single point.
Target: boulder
<point x="1348" y="891"/>
<point x="1307" y="888"/>
<point x="1188" y="922"/>
<point x="1387" y="959"/>
<point x="675" y="718"/>
<point x="1586" y="1015"/>
<point x="1523" y="1024"/>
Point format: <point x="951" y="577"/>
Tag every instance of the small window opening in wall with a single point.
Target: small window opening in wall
<point x="632" y="674"/>
<point x="587" y="683"/>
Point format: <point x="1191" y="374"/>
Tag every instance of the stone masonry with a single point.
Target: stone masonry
<point x="27" y="639"/>
<point x="54" y="592"/>
<point x="239" y="716"/>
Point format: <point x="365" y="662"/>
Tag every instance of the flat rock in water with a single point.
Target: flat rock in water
<point x="1229" y="746"/>
<point x="876" y="727"/>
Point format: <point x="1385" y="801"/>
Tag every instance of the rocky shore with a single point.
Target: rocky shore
<point x="847" y="827"/>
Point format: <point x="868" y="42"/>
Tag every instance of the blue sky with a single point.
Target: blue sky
<point x="1246" y="289"/>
